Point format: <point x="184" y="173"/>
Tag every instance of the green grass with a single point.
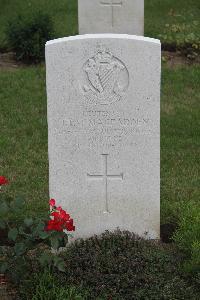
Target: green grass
<point x="44" y="285"/>
<point x="180" y="140"/>
<point x="64" y="14"/>
<point x="23" y="141"/>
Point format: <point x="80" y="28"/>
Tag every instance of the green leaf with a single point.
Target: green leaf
<point x="59" y="263"/>
<point x="3" y="267"/>
<point x="4" y="251"/>
<point x="70" y="235"/>
<point x="45" y="259"/>
<point x="28" y="222"/>
<point x="21" y="230"/>
<point x="18" y="203"/>
<point x="61" y="266"/>
<point x="20" y="248"/>
<point x="66" y="239"/>
<point x="12" y="234"/>
<point x="2" y="224"/>
<point x="1" y="251"/>
<point x="54" y="243"/>
<point x="43" y="235"/>
<point x="4" y="208"/>
<point x="40" y="226"/>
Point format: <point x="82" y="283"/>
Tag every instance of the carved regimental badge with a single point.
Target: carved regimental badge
<point x="106" y="78"/>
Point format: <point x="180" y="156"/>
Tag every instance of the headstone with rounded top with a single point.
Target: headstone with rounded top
<point x="104" y="132"/>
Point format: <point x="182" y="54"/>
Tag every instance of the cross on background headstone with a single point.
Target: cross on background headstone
<point x="111" y="16"/>
<point x="105" y="176"/>
<point x="112" y="4"/>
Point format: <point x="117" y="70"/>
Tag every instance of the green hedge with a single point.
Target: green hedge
<point x="27" y="35"/>
<point x="121" y="266"/>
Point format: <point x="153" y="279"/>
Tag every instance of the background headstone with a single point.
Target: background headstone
<point x="111" y="16"/>
<point x="104" y="131"/>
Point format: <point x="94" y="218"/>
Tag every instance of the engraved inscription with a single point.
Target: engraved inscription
<point x="104" y="177"/>
<point x="107" y="78"/>
<point x="112" y="4"/>
<point x="104" y="129"/>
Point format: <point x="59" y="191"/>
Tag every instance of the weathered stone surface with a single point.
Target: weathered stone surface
<point x="104" y="131"/>
<point x="111" y="16"/>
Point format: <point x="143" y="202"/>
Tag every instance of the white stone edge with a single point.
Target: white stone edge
<point x="105" y="36"/>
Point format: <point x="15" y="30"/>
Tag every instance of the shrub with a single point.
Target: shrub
<point x="27" y="35"/>
<point x="122" y="266"/>
<point x="187" y="236"/>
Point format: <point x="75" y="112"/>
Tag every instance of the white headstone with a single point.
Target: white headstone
<point x="111" y="16"/>
<point x="104" y="131"/>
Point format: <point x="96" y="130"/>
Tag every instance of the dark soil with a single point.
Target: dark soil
<point x="7" y="291"/>
<point x="166" y="232"/>
<point x="8" y="61"/>
<point x="176" y="59"/>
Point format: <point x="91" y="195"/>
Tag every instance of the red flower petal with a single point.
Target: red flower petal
<point x="70" y="226"/>
<point x="59" y="208"/>
<point x="54" y="225"/>
<point x="55" y="214"/>
<point x="64" y="215"/>
<point x="3" y="180"/>
<point x="52" y="202"/>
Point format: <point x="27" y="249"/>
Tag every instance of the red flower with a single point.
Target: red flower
<point x="52" y="202"/>
<point x="3" y="180"/>
<point x="60" y="219"/>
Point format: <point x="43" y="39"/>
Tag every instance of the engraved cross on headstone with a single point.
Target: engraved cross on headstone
<point x="105" y="176"/>
<point x="112" y="4"/>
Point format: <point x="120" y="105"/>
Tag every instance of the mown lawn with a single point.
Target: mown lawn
<point x="158" y="13"/>
<point x="23" y="141"/>
<point x="180" y="139"/>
